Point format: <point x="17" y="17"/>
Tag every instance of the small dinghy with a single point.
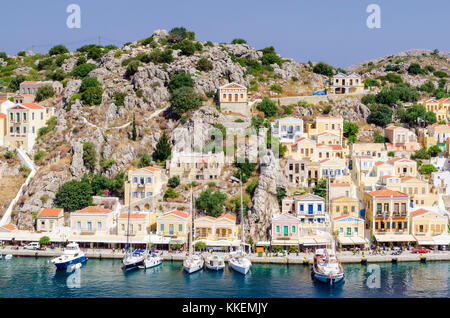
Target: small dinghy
<point x="8" y="257"/>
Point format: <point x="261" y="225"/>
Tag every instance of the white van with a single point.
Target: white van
<point x="33" y="246"/>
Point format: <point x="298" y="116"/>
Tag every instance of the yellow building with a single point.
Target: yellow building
<point x="434" y="135"/>
<point x="344" y="206"/>
<point x="404" y="167"/>
<point x="420" y="192"/>
<point x="23" y="124"/>
<point x="217" y="232"/>
<point x="139" y="224"/>
<point x="323" y="124"/>
<point x="349" y="230"/>
<point x="302" y="149"/>
<point x="92" y="220"/>
<point x="145" y="183"/>
<point x="345" y="84"/>
<point x="233" y="99"/>
<point x="174" y="224"/>
<point x="439" y="107"/>
<point x="426" y="223"/>
<point x="328" y="138"/>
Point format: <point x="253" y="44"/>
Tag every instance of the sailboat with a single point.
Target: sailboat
<point x="326" y="266"/>
<point x="131" y="260"/>
<point x="239" y="261"/>
<point x="151" y="259"/>
<point x="193" y="262"/>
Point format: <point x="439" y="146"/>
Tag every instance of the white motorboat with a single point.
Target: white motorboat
<point x="8" y="257"/>
<point x="214" y="263"/>
<point x="152" y="260"/>
<point x="238" y="260"/>
<point x="327" y="268"/>
<point x="193" y="263"/>
<point x="72" y="255"/>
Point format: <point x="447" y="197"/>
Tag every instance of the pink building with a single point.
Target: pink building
<point x="286" y="226"/>
<point x="400" y="139"/>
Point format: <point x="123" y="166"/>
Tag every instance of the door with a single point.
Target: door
<point x="310" y="209"/>
<point x="171" y="229"/>
<point x="285" y="230"/>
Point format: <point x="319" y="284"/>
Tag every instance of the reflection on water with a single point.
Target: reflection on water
<point x="37" y="277"/>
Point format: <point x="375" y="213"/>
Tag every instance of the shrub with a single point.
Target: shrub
<point x="212" y="203"/>
<point x="440" y="74"/>
<point x="45" y="240"/>
<point x="276" y="88"/>
<point x="44" y="64"/>
<point x="144" y="161"/>
<point x="170" y="193"/>
<point x="162" y="149"/>
<point x="88" y="82"/>
<point x="415" y="69"/>
<point x="427" y="169"/>
<point x="178" y="34"/>
<point x="187" y="47"/>
<point x="44" y="92"/>
<point x="391" y="154"/>
<point x="119" y="98"/>
<point x="174" y="181"/>
<point x="92" y="96"/>
<point x="394" y="78"/>
<point x="350" y="129"/>
<point x="270" y="56"/>
<point x="39" y="156"/>
<point x="15" y="82"/>
<point x="180" y="80"/>
<point x="58" y="49"/>
<point x="58" y="75"/>
<point x="238" y="41"/>
<point x="182" y="100"/>
<point x="83" y="70"/>
<point x="268" y="107"/>
<point x="132" y="68"/>
<point x="380" y="115"/>
<point x="251" y="187"/>
<point x="204" y="65"/>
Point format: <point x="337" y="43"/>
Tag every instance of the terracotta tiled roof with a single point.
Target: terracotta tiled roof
<point x="32" y="106"/>
<point x="133" y="216"/>
<point x="379" y="163"/>
<point x="94" y="209"/>
<point x="228" y="216"/>
<point x="50" y="212"/>
<point x="344" y="197"/>
<point x="152" y="169"/>
<point x="2" y="115"/>
<point x="388" y="193"/>
<point x="336" y="147"/>
<point x="342" y="184"/>
<point x="10" y="227"/>
<point x="30" y="82"/>
<point x="347" y="216"/>
<point x="418" y="212"/>
<point x="178" y="213"/>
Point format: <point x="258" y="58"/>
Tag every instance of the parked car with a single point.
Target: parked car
<point x="421" y="250"/>
<point x="33" y="246"/>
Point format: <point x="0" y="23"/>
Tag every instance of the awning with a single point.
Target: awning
<point x="307" y="241"/>
<point x="262" y="243"/>
<point x="443" y="239"/>
<point x="394" y="238"/>
<point x="219" y="243"/>
<point x="425" y="240"/>
<point x="157" y="239"/>
<point x="351" y="240"/>
<point x="285" y="242"/>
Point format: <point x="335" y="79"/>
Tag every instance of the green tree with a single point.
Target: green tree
<point x="251" y="187"/>
<point x="378" y="138"/>
<point x="245" y="169"/>
<point x="45" y="240"/>
<point x="57" y="75"/>
<point x="174" y="181"/>
<point x="58" y="49"/>
<point x="427" y="169"/>
<point x="234" y="204"/>
<point x="163" y="149"/>
<point x="212" y="203"/>
<point x="144" y="161"/>
<point x="238" y="41"/>
<point x="204" y="65"/>
<point x="177" y="35"/>
<point x="88" y="82"/>
<point x="187" y="47"/>
<point x="380" y="115"/>
<point x="179" y="80"/>
<point x="268" y="107"/>
<point x="415" y="69"/>
<point x="281" y="193"/>
<point x="83" y="70"/>
<point x="89" y="155"/>
<point x="323" y="69"/>
<point x="183" y="100"/>
<point x="15" y="82"/>
<point x="44" y="92"/>
<point x="92" y="96"/>
<point x="422" y="153"/>
<point x="73" y="195"/>
<point x="170" y="193"/>
<point x="434" y="150"/>
<point x="133" y="132"/>
<point x="320" y="188"/>
<point x="350" y="129"/>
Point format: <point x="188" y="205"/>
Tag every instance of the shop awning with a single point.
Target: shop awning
<point x="425" y="240"/>
<point x="443" y="239"/>
<point x="285" y="242"/>
<point x="351" y="240"/>
<point x="263" y="243"/>
<point x="384" y="238"/>
<point x="220" y="243"/>
<point x="307" y="241"/>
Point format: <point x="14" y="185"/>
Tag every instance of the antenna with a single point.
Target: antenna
<point x="242" y="212"/>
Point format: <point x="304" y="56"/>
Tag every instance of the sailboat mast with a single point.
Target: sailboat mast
<point x="242" y="214"/>
<point x="129" y="212"/>
<point x="192" y="225"/>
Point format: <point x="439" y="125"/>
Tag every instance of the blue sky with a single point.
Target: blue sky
<point x="323" y="30"/>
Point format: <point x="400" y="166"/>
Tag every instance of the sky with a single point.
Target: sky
<point x="305" y="30"/>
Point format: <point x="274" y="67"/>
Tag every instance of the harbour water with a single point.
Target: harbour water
<point x="37" y="277"/>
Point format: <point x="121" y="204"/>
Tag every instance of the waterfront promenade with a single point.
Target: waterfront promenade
<point x="344" y="257"/>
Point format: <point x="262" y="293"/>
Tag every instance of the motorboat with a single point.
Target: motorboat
<point x="8" y="257"/>
<point x="193" y="263"/>
<point x="326" y="267"/>
<point x="239" y="262"/>
<point x="132" y="260"/>
<point x="71" y="255"/>
<point x="214" y="262"/>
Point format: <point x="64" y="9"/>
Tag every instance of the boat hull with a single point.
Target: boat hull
<point x="238" y="268"/>
<point x="150" y="264"/>
<point x="328" y="279"/>
<point x="67" y="264"/>
<point x="130" y="266"/>
<point x="192" y="269"/>
<point x="214" y="267"/>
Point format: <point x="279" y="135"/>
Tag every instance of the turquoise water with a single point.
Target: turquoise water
<point x="37" y="277"/>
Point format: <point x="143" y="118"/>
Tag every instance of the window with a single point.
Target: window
<point x="32" y="116"/>
<point x="405" y="225"/>
<point x="171" y="229"/>
<point x="89" y="226"/>
<point x="141" y="180"/>
<point x="293" y="229"/>
<point x="338" y="208"/>
<point x="149" y="180"/>
<point x="349" y="231"/>
<point x="135" y="180"/>
<point x="278" y="229"/>
<point x="142" y="195"/>
<point x="297" y="128"/>
<point x="11" y="130"/>
<point x="24" y="116"/>
<point x="301" y="208"/>
<point x="140" y="227"/>
<point x="378" y="207"/>
<point x="33" y="130"/>
<point x="24" y="130"/>
<point x="180" y="228"/>
<point x="319" y="207"/>
<point x="78" y="225"/>
<point x="17" y="130"/>
<point x="17" y="117"/>
<point x="99" y="226"/>
<point x="161" y="227"/>
<point x="356" y="230"/>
